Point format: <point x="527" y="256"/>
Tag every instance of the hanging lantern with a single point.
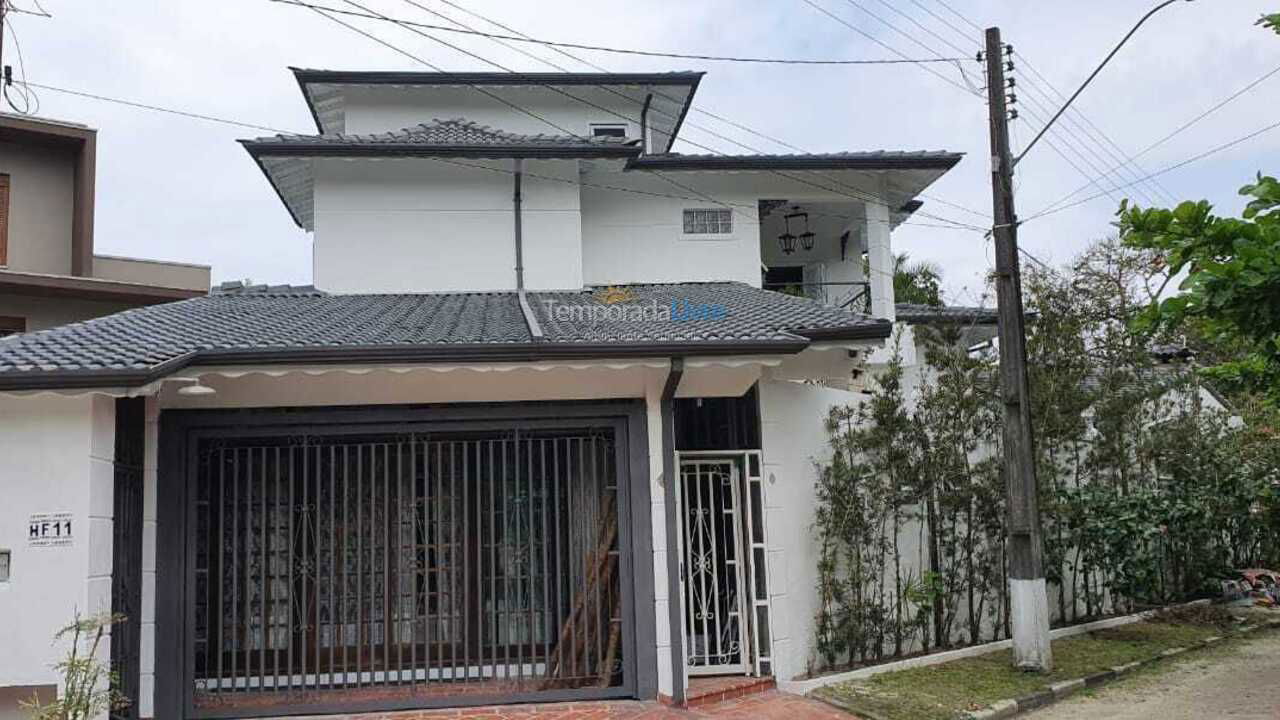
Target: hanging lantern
<point x="807" y="237"/>
<point x="786" y="240"/>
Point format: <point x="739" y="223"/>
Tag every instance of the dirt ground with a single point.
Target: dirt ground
<point x="1240" y="681"/>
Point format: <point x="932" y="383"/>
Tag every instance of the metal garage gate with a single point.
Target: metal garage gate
<point x="426" y="570"/>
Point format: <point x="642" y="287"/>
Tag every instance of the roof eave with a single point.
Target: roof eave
<point x="768" y="163"/>
<point x="306" y="76"/>
<point x="392" y="354"/>
<point x="876" y="330"/>
<point x="684" y="111"/>
<point x="327" y="149"/>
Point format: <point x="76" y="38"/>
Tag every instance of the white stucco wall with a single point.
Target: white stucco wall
<point x="41" y="198"/>
<point x="421" y="225"/>
<point x="793" y="438"/>
<point x="371" y="109"/>
<point x="58" y="457"/>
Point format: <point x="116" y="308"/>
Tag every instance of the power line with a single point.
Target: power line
<point x="157" y="108"/>
<point x="1095" y="181"/>
<point x="953" y="11"/>
<point x="1083" y="148"/>
<point x="856" y="193"/>
<point x="620" y="51"/>
<point x="1124" y="160"/>
<point x="1171" y="168"/>
<point x="610" y="188"/>
<point x="1092" y="75"/>
<point x="695" y="109"/>
<point x="884" y="45"/>
<point x="942" y="20"/>
<point x="963" y="52"/>
<point x="1180" y="129"/>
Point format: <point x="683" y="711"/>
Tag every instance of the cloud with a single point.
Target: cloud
<point x="182" y="189"/>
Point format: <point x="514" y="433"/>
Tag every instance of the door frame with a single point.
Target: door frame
<point x="180" y="430"/>
<point x="753" y="542"/>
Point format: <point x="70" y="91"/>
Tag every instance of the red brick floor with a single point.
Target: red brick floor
<point x="771" y="705"/>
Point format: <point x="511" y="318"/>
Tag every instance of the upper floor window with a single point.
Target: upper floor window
<point x="12" y="325"/>
<point x="617" y="131"/>
<point x="713" y="221"/>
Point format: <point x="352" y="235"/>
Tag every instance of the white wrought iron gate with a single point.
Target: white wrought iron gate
<point x="714" y="578"/>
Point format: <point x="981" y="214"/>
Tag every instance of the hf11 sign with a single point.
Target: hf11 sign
<point x="49" y="530"/>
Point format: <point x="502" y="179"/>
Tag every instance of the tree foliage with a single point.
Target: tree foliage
<point x="1231" y="287"/>
<point x="1147" y="496"/>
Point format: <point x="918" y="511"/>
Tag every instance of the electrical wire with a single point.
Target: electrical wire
<point x="610" y="188"/>
<point x="953" y="11"/>
<point x="1111" y="164"/>
<point x="1123" y="159"/>
<point x="1093" y="75"/>
<point x="856" y="194"/>
<point x="1096" y="181"/>
<point x="1171" y="168"/>
<point x="624" y="51"/>
<point x="30" y="100"/>
<point x="157" y="108"/>
<point x="885" y="45"/>
<point x="964" y="54"/>
<point x="1083" y="148"/>
<point x="946" y="22"/>
<point x="1179" y="130"/>
<point x="702" y="111"/>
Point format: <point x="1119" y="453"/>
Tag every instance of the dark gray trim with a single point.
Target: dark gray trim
<point x="516" y="207"/>
<point x="684" y="111"/>
<point x="306" y="76"/>
<point x="547" y="151"/>
<point x="868" y="161"/>
<point x="174" y="687"/>
<point x="171" y="525"/>
<point x="675" y="568"/>
<point x="878" y="329"/>
<point x="644" y="123"/>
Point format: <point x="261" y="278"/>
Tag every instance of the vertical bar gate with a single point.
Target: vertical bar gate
<point x="126" y="551"/>
<point x="410" y="570"/>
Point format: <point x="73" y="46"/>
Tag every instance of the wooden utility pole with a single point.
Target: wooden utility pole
<point x="1028" y="597"/>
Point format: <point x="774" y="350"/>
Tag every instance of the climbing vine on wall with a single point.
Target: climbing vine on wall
<point x="1147" y="497"/>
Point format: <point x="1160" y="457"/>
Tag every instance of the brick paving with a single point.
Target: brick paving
<point x="771" y="705"/>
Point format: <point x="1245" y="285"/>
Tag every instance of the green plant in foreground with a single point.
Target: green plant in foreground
<point x="89" y="686"/>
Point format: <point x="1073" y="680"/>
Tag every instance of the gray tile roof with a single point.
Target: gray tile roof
<point x="868" y="160"/>
<point x="304" y="325"/>
<point x="452" y="134"/>
<point x="917" y="314"/>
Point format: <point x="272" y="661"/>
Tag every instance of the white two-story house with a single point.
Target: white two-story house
<point x="542" y="430"/>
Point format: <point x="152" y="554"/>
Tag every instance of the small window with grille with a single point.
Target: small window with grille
<point x="714" y="221"/>
<point x="614" y="131"/>
<point x="12" y="325"/>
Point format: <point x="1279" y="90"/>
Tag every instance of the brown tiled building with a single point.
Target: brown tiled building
<point x="49" y="274"/>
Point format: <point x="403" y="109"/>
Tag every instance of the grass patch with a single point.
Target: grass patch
<point x="940" y="692"/>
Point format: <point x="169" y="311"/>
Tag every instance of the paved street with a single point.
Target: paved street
<point x="1240" y="681"/>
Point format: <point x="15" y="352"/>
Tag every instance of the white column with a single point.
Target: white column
<point x="658" y="518"/>
<point x="147" y="661"/>
<point x="880" y="260"/>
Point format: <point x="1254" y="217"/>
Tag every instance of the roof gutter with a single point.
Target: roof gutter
<point x="277" y="148"/>
<point x="791" y="162"/>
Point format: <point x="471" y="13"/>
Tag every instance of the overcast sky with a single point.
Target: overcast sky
<point x="181" y="189"/>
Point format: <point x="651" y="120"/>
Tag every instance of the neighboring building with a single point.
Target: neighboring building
<point x="49" y="274"/>
<point x="536" y="433"/>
